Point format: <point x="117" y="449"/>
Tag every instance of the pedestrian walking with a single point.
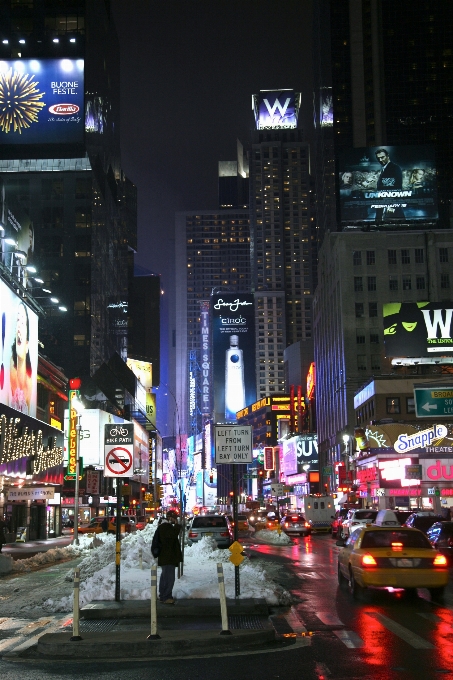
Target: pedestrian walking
<point x="105" y="524"/>
<point x="3" y="532"/>
<point x="167" y="549"/>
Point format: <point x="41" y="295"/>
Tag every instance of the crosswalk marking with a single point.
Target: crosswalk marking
<point x="349" y="638"/>
<point x="312" y="574"/>
<point x="329" y="619"/>
<point x="294" y="621"/>
<point x="403" y="633"/>
<point x="430" y="617"/>
<point x="9" y="642"/>
<point x="22" y="638"/>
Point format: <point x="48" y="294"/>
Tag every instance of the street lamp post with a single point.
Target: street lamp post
<point x="78" y="407"/>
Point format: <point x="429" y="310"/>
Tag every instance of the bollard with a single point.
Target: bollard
<point x="75" y="614"/>
<point x="154" y="635"/>
<point x="223" y="606"/>
<point x="140" y="558"/>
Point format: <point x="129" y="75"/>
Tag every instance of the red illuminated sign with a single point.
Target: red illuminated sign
<point x="268" y="458"/>
<point x="311" y="380"/>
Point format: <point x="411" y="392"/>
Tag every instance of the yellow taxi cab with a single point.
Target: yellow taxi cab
<point x="95" y="526"/>
<point x="385" y="557"/>
<point x="243" y="524"/>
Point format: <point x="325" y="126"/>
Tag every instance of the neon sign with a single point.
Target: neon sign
<point x="392" y="470"/>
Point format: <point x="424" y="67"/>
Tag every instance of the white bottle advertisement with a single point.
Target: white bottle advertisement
<point x="234" y="379"/>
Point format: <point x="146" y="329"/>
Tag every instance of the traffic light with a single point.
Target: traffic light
<point x="211" y="477"/>
<point x="75" y="383"/>
<point x="261" y="473"/>
<point x="326" y="488"/>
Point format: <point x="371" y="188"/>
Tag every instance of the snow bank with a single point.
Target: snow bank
<point x="53" y="555"/>
<point x="271" y="537"/>
<point x="97" y="573"/>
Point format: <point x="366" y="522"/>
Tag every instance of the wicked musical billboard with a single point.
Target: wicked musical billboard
<point x="233" y="352"/>
<point x="384" y="184"/>
<point x="418" y="329"/>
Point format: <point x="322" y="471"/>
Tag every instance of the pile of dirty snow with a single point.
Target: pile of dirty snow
<point x="69" y="552"/>
<point x="271" y="537"/>
<point x="199" y="580"/>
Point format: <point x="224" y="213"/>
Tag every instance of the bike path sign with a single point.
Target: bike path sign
<point x="118" y="449"/>
<point x="433" y="402"/>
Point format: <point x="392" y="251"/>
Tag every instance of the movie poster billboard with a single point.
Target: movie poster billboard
<point x="233" y="352"/>
<point x="276" y="109"/>
<point x="42" y="101"/>
<point x="386" y="183"/>
<point x="19" y="353"/>
<point x="326" y="107"/>
<point x="418" y="329"/>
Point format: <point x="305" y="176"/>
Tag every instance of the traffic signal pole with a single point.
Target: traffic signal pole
<point x="118" y="541"/>
<point x="237" y="584"/>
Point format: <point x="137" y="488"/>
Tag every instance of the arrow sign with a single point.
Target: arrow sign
<point x="429" y="407"/>
<point x="433" y="400"/>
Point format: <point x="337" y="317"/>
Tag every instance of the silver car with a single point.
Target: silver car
<point x="217" y="526"/>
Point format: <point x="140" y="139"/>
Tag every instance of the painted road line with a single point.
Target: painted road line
<point x="9" y="623"/>
<point x="293" y="620"/>
<point x="31" y="627"/>
<point x="311" y="574"/>
<point x="9" y="642"/>
<point x="30" y="641"/>
<point x="349" y="638"/>
<point x="329" y="619"/>
<point x="430" y="617"/>
<point x="403" y="633"/>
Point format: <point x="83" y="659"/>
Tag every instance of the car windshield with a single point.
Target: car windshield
<point x="204" y="522"/>
<point x="242" y="518"/>
<point x="365" y="514"/>
<point x="385" y="539"/>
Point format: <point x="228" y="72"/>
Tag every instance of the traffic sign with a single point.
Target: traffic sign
<point x="277" y="489"/>
<point x="433" y="402"/>
<point x="118" y="462"/>
<point x="236" y="557"/>
<point x="118" y="449"/>
<point x="233" y="444"/>
<point x="327" y="470"/>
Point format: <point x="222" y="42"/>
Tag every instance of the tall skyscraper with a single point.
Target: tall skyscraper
<point x="62" y="183"/>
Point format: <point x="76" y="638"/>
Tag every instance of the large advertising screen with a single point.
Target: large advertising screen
<point x="19" y="353"/>
<point x="386" y="183"/>
<point x="233" y="342"/>
<point x="276" y="109"/>
<point x="16" y="223"/>
<point x="418" y="329"/>
<point x="41" y="101"/>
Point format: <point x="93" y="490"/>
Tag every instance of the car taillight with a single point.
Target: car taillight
<point x="192" y="534"/>
<point x="286" y="524"/>
<point x="295" y="518"/>
<point x="224" y="533"/>
<point x="368" y="561"/>
<point x="397" y="546"/>
<point x="307" y="524"/>
<point x="440" y="561"/>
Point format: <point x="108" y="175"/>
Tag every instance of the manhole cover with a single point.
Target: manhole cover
<point x="249" y="622"/>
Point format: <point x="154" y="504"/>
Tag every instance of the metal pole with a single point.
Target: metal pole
<point x="118" y="542"/>
<point x="76" y="608"/>
<point x="237" y="584"/>
<point x="153" y="635"/>
<point x="76" y="488"/>
<point x="223" y="605"/>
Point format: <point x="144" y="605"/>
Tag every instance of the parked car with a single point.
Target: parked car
<point x="355" y="519"/>
<point x="141" y="522"/>
<point x="295" y="525"/>
<point x="440" y="535"/>
<point x="398" y="557"/>
<point x="67" y="523"/>
<point x="337" y="521"/>
<point x="95" y="526"/>
<point x="423" y="520"/>
<point x="257" y="516"/>
<point x="217" y="526"/>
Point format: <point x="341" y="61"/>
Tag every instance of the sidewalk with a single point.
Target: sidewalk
<point x="190" y="627"/>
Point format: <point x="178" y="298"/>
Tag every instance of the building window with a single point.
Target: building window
<point x="370" y="257"/>
<point x="393" y="405"/>
<point x="358" y="285"/>
<point x="357" y="257"/>
<point x="410" y="405"/>
<point x="359" y="311"/>
<point x="374" y="338"/>
<point x="375" y="362"/>
<point x="405" y="257"/>
<point x="360" y="339"/>
<point x="407" y="283"/>
<point x="445" y="281"/>
<point x="392" y="256"/>
<point x="393" y="283"/>
<point x="371" y="283"/>
<point x="443" y="254"/>
<point x="372" y="310"/>
<point x="420" y="282"/>
<point x="361" y="362"/>
<point x="419" y="256"/>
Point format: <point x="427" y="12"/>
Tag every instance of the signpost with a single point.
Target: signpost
<point x="433" y="402"/>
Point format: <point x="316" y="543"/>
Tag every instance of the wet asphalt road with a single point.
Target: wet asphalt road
<point x="383" y="637"/>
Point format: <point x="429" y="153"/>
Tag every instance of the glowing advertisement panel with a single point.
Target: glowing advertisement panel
<point x="41" y="101"/>
<point x="418" y="329"/>
<point x="233" y="343"/>
<point x="19" y="353"/>
<point x="382" y="184"/>
<point x="276" y="109"/>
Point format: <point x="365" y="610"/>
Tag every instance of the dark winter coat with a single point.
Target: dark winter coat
<point x="3" y="530"/>
<point x="170" y="551"/>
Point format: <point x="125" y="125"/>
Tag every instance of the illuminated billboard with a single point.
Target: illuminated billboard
<point x="276" y="109"/>
<point x="41" y="101"/>
<point x="326" y="107"/>
<point x="383" y="184"/>
<point x="19" y="353"/>
<point x="233" y="351"/>
<point x="418" y="329"/>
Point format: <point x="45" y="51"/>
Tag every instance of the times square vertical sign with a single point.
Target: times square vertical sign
<point x="206" y="364"/>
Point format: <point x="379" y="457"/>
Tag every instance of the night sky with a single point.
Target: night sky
<point x="188" y="70"/>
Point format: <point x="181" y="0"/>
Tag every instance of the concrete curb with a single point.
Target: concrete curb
<point x="200" y="608"/>
<point x="171" y="644"/>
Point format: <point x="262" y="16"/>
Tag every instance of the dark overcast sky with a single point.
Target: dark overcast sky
<point x="188" y="70"/>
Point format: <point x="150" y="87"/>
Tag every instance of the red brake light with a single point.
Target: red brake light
<point x="307" y="524"/>
<point x="286" y="524"/>
<point x="397" y="546"/>
<point x="368" y="561"/>
<point x="440" y="561"/>
<point x="224" y="533"/>
<point x="192" y="534"/>
<point x="295" y="518"/>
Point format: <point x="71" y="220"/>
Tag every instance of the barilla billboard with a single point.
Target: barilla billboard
<point x="418" y="329"/>
<point x="382" y="184"/>
<point x="276" y="109"/>
<point x="41" y="101"/>
<point x="233" y="352"/>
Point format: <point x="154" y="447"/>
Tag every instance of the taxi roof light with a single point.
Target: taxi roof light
<point x="368" y="561"/>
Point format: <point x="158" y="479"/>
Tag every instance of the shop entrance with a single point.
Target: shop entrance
<point x="19" y="517"/>
<point x="38" y="522"/>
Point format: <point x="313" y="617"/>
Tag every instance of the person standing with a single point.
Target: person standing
<point x="169" y="556"/>
<point x="105" y="524"/>
<point x="3" y="530"/>
<point x="390" y="178"/>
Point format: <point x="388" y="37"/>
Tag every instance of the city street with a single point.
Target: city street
<point x="385" y="636"/>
